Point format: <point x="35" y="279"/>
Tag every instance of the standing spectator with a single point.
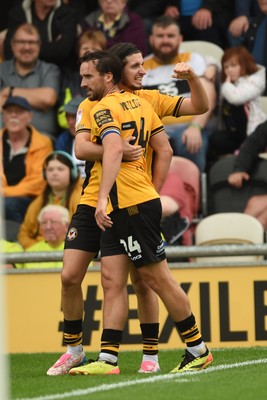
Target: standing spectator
<point x="90" y="40"/>
<point x="202" y="20"/>
<point x="24" y="150"/>
<point x="148" y="11"/>
<point x="63" y="187"/>
<point x="82" y="7"/>
<point x="54" y="222"/>
<point x="243" y="81"/>
<point x="57" y="25"/>
<point x="5" y="8"/>
<point x="26" y="75"/>
<point x="65" y="141"/>
<point x="118" y="23"/>
<point x="245" y="11"/>
<point x="188" y="135"/>
<point x="255" y="38"/>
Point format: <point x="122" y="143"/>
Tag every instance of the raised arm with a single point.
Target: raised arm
<point x="198" y="103"/>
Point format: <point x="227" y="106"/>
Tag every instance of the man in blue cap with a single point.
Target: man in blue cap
<point x="24" y="150"/>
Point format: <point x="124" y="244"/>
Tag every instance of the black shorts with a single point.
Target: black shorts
<point x="83" y="232"/>
<point x="136" y="232"/>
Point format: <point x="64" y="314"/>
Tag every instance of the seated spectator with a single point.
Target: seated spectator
<point x="63" y="187"/>
<point x="188" y="135"/>
<point x="54" y="222"/>
<point x="202" y="20"/>
<point x="255" y="38"/>
<point x="27" y="76"/>
<point x="243" y="81"/>
<point x="9" y="247"/>
<point x="118" y="24"/>
<point x="57" y="25"/>
<point x="24" y="150"/>
<point x="90" y="40"/>
<point x="245" y="161"/>
<point x="65" y="141"/>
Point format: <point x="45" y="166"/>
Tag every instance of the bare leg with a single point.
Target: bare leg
<point x="75" y="264"/>
<point x="148" y="313"/>
<point x="114" y="274"/>
<point x="257" y="207"/>
<point x="169" y="205"/>
<point x="159" y="278"/>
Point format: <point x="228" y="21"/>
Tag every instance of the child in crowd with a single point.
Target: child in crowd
<point x="243" y="82"/>
<point x="63" y="187"/>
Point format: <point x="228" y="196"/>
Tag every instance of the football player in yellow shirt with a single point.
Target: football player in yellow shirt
<point x="128" y="212"/>
<point x="77" y="254"/>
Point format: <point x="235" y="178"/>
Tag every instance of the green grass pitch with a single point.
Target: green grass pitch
<point x="235" y="374"/>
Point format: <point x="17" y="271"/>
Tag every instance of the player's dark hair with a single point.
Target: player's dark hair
<point x="123" y="50"/>
<point x="104" y="62"/>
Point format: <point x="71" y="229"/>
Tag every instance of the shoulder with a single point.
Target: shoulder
<point x="47" y="67"/>
<point x="38" y="139"/>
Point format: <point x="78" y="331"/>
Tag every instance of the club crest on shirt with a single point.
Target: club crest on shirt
<point x="103" y="117"/>
<point x="72" y="234"/>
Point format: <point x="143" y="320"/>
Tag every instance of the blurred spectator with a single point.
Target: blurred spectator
<point x="54" y="222"/>
<point x="90" y="40"/>
<point x="65" y="141"/>
<point x="255" y="38"/>
<point x="243" y="81"/>
<point x="9" y="247"/>
<point x="82" y="7"/>
<point x="57" y="25"/>
<point x="245" y="11"/>
<point x="24" y="150"/>
<point x="5" y="7"/>
<point x="188" y="135"/>
<point x="245" y="161"/>
<point x="202" y="20"/>
<point x="63" y="187"/>
<point x="118" y="23"/>
<point x="26" y="75"/>
<point x="148" y="11"/>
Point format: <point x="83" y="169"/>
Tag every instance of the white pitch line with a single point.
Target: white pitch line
<point x="151" y="379"/>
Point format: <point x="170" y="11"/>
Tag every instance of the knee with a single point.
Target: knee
<point x="111" y="283"/>
<point x="251" y="206"/>
<point x="140" y="287"/>
<point x="70" y="279"/>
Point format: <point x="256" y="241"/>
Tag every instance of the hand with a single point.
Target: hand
<point x="183" y="71"/>
<point x="210" y="73"/>
<point x="239" y="25"/>
<point x="172" y="12"/>
<point x="131" y="152"/>
<point x="202" y="19"/>
<point x="4" y="95"/>
<point x="102" y="219"/>
<point x="236" y="178"/>
<point x="192" y="139"/>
